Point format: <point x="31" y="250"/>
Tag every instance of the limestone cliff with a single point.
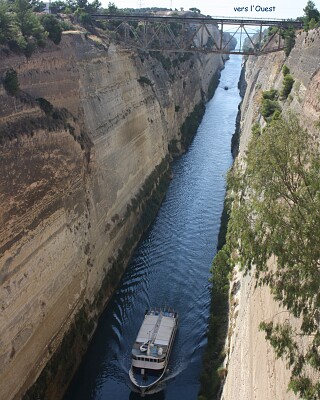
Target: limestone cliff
<point x="84" y="148"/>
<point x="252" y="369"/>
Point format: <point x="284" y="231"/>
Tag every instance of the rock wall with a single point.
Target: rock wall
<point x="252" y="370"/>
<point x="84" y="145"/>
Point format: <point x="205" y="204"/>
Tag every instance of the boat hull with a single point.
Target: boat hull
<point x="145" y="382"/>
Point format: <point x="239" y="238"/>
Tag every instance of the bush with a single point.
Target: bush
<point x="288" y="82"/>
<point x="285" y="70"/>
<point x="270" y="94"/>
<point x="269" y="107"/>
<point x="289" y="43"/>
<point x="8" y="27"/>
<point x="11" y="82"/>
<point x="53" y="27"/>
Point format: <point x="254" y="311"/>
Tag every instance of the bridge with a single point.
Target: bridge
<point x="197" y="34"/>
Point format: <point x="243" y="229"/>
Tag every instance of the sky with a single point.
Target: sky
<point x="226" y="8"/>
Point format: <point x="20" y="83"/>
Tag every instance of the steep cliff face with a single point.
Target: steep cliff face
<point x="252" y="369"/>
<point x="84" y="147"/>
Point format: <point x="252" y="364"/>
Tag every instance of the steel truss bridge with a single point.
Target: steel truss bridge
<point x="197" y="34"/>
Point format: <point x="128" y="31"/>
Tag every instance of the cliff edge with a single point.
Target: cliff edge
<point x="253" y="372"/>
<point x="85" y="150"/>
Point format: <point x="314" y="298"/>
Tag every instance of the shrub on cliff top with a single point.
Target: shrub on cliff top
<point x="312" y="16"/>
<point x="8" y="27"/>
<point x="53" y="27"/>
<point x="28" y="22"/>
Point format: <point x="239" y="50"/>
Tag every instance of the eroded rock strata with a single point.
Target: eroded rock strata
<point x="253" y="372"/>
<point x="85" y="163"/>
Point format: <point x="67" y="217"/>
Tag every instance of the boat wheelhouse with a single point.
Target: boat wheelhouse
<point x="151" y="350"/>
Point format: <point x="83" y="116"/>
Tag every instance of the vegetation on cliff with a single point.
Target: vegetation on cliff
<point x="275" y="227"/>
<point x="21" y="27"/>
<point x="311" y="18"/>
<point x="22" y="30"/>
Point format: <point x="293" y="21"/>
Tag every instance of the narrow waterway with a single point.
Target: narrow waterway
<point x="171" y="265"/>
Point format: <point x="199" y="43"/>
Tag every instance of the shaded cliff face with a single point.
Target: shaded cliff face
<point x="253" y="371"/>
<point x="74" y="182"/>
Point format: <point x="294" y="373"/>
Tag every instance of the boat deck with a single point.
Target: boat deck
<point x="156" y="329"/>
<point x="151" y="350"/>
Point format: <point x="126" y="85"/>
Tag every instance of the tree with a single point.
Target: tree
<point x="8" y="27"/>
<point x="30" y="27"/>
<point x="311" y="11"/>
<point x="269" y="107"/>
<point x="112" y="8"/>
<point x="53" y="27"/>
<point x="288" y="82"/>
<point x="57" y="7"/>
<point x="37" y="5"/>
<point x="313" y="23"/>
<point x="312" y="15"/>
<point x="285" y="70"/>
<point x="276" y="212"/>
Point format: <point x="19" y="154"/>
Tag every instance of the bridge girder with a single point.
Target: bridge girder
<point x="194" y="34"/>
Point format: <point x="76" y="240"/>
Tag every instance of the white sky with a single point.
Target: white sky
<point x="219" y="8"/>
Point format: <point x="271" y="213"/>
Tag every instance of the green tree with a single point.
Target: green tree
<point x="313" y="23"/>
<point x="289" y="36"/>
<point x="8" y="27"/>
<point x="53" y="27"/>
<point x="312" y="15"/>
<point x="269" y="107"/>
<point x="57" y="7"/>
<point x="112" y="8"/>
<point x="270" y="94"/>
<point x="276" y="213"/>
<point x="30" y="27"/>
<point x="288" y="82"/>
<point x="37" y="6"/>
<point x="311" y="11"/>
<point x="285" y="70"/>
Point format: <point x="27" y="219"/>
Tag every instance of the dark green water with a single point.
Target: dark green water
<point x="170" y="266"/>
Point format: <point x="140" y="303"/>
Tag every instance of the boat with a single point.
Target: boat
<point x="151" y="350"/>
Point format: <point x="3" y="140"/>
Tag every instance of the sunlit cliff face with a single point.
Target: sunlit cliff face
<point x="261" y="375"/>
<point x="70" y="183"/>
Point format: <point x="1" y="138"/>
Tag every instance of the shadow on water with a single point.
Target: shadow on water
<point x="170" y="266"/>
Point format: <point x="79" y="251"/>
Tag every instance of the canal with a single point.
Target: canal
<point x="171" y="265"/>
